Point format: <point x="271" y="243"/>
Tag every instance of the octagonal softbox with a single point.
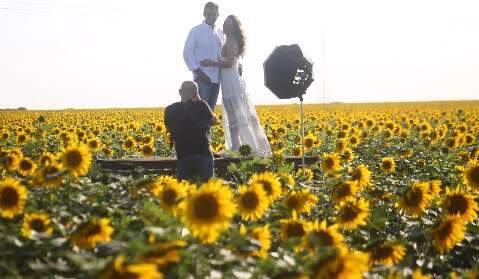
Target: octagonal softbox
<point x="287" y="73"/>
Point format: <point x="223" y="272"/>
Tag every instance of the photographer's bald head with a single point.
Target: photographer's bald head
<point x="189" y="91"/>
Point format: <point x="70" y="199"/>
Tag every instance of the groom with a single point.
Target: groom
<point x="205" y="42"/>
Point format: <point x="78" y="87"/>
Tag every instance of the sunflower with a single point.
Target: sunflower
<point x="308" y="174"/>
<point x="297" y="151"/>
<point x="164" y="253"/>
<point x="207" y="211"/>
<point x="47" y="158"/>
<point x="129" y="144"/>
<point x="262" y="235"/>
<point x="76" y="159"/>
<point x="417" y="274"/>
<point x="457" y="202"/>
<point x="147" y="139"/>
<point x="347" y="155"/>
<point x="36" y="223"/>
<point x="26" y="167"/>
<point x="94" y="144"/>
<point x="447" y="233"/>
<point x="361" y="175"/>
<point x="118" y="269"/>
<point x="388" y="165"/>
<point x="415" y="199"/>
<point x="352" y="213"/>
<point x="322" y="235"/>
<point x="341" y="145"/>
<point x="22" y="138"/>
<point x="354" y="140"/>
<point x="4" y="135"/>
<point x="300" y="201"/>
<point x="344" y="190"/>
<point x="435" y="187"/>
<point x="340" y="265"/>
<point x="12" y="160"/>
<point x="147" y="150"/>
<point x="309" y="141"/>
<point x="471" y="175"/>
<point x="252" y="202"/>
<point x="270" y="183"/>
<point x="107" y="151"/>
<point x="330" y="162"/>
<point x="387" y="253"/>
<point x="49" y="175"/>
<point x="92" y="232"/>
<point x="170" y="192"/>
<point x="287" y="180"/>
<point x="294" y="228"/>
<point x="12" y="198"/>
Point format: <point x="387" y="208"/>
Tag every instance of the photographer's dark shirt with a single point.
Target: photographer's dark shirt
<point x="189" y="124"/>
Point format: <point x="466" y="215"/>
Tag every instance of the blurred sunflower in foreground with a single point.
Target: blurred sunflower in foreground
<point x="208" y="210"/>
<point x="12" y="198"/>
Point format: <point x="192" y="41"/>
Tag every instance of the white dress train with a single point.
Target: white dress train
<point x="240" y="121"/>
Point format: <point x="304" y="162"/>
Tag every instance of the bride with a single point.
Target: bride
<point x="240" y="120"/>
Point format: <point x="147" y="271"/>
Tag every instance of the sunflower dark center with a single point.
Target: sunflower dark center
<point x="329" y="163"/>
<point x="445" y="230"/>
<point x="343" y="190"/>
<point x="22" y="138"/>
<point x="147" y="149"/>
<point x="293" y="202"/>
<point x="128" y="143"/>
<point x="308" y="142"/>
<point x="349" y="213"/>
<point x="457" y="204"/>
<point x="356" y="175"/>
<point x="169" y="197"/>
<point x="295" y="230"/>
<point x="387" y="165"/>
<point x="45" y="159"/>
<point x="38" y="225"/>
<point x="26" y="165"/>
<point x="250" y="200"/>
<point x="413" y="197"/>
<point x="382" y="252"/>
<point x="475" y="175"/>
<point x="206" y="207"/>
<point x="73" y="158"/>
<point x="93" y="144"/>
<point x="93" y="229"/>
<point x="267" y="187"/>
<point x="9" y="197"/>
<point x="324" y="238"/>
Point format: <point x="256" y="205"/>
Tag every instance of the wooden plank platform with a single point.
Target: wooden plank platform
<point x="169" y="163"/>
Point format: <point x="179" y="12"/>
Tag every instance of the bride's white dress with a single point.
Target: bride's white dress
<point x="240" y="120"/>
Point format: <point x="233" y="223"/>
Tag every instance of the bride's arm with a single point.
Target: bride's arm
<point x="231" y="50"/>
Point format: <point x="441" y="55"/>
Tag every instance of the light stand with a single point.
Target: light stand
<point x="302" y="134"/>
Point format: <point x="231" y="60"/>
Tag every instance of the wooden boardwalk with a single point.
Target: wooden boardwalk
<point x="169" y="163"/>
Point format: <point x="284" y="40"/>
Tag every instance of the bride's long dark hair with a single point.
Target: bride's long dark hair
<point x="238" y="34"/>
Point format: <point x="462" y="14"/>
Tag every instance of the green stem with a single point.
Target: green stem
<point x="68" y="190"/>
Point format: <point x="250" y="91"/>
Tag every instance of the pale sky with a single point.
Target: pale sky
<point x="124" y="53"/>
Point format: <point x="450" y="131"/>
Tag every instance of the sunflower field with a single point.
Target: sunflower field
<point x="394" y="194"/>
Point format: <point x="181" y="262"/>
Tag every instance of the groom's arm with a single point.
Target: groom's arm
<point x="189" y="51"/>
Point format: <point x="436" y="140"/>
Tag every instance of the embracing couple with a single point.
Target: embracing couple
<point x="213" y="57"/>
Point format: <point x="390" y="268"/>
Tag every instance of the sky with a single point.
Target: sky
<point x="121" y="53"/>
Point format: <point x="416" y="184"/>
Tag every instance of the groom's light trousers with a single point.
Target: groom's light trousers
<point x="209" y="93"/>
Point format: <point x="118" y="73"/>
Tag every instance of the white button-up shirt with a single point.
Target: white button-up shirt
<point x="203" y="42"/>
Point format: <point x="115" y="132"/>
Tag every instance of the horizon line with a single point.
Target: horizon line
<point x="258" y="105"/>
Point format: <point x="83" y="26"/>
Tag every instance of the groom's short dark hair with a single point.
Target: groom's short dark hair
<point x="211" y="5"/>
